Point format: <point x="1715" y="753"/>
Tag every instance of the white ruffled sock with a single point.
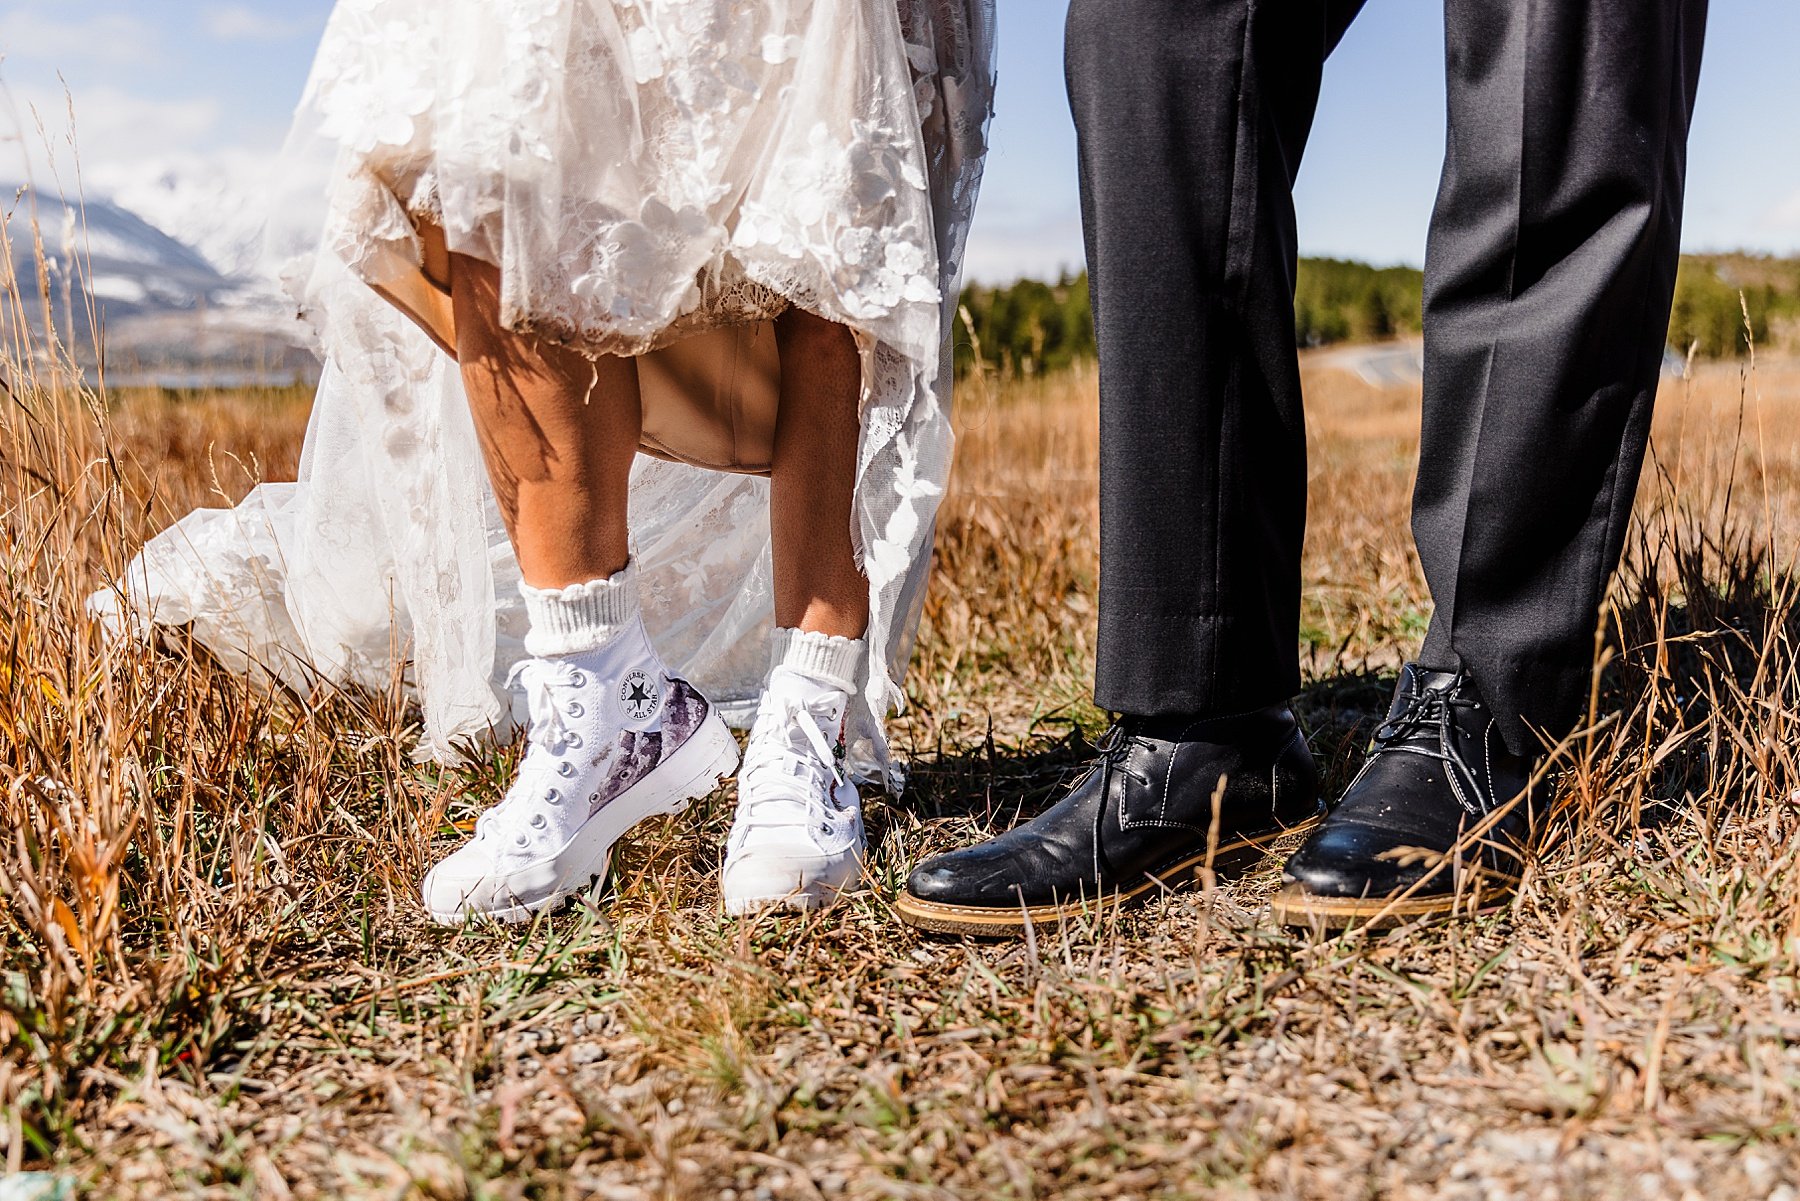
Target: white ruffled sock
<point x="581" y="617"/>
<point x="827" y="658"/>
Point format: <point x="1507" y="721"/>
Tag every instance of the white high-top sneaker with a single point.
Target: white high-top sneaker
<point x="614" y="738"/>
<point x="797" y="840"/>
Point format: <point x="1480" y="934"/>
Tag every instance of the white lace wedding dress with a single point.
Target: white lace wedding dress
<point x="639" y="170"/>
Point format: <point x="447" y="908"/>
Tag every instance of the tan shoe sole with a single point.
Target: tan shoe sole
<point x="1295" y="906"/>
<point x="978" y="921"/>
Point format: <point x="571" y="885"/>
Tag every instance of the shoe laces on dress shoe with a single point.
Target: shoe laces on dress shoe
<point x="1115" y="747"/>
<point x="1426" y="726"/>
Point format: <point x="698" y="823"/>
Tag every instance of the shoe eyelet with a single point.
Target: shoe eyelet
<point x="551" y="796"/>
<point x="594" y="799"/>
<point x="575" y="709"/>
<point x="537" y="821"/>
<point x="565" y="769"/>
<point x="523" y="840"/>
<point x="578" y="679"/>
<point x="573" y="740"/>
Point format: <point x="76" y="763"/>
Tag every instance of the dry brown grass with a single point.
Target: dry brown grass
<point x="215" y="978"/>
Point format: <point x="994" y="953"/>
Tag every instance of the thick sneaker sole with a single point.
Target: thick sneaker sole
<point x="976" y="921"/>
<point x="817" y="889"/>
<point x="707" y="759"/>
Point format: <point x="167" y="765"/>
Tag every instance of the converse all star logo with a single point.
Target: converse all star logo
<point x="639" y="695"/>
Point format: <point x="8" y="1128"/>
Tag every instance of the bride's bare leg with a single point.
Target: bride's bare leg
<point x="817" y="585"/>
<point x="797" y="840"/>
<point x="558" y="432"/>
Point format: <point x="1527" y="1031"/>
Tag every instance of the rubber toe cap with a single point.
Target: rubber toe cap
<point x="762" y="881"/>
<point x="465" y="885"/>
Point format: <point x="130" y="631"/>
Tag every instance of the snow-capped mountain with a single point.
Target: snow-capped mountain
<point x="245" y="211"/>
<point x="205" y="212"/>
<point x="127" y="265"/>
<point x="164" y="312"/>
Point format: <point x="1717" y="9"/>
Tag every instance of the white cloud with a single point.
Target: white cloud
<point x="49" y="130"/>
<point x="58" y="41"/>
<point x="1785" y="215"/>
<point x="241" y="23"/>
<point x="169" y="160"/>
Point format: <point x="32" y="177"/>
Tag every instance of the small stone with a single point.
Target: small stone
<point x="1759" y="1171"/>
<point x="1524" y="1146"/>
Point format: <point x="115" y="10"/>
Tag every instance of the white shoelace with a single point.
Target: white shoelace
<point x="543" y="683"/>
<point x="781" y="784"/>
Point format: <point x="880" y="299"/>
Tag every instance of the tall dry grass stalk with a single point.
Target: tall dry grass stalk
<point x="161" y="818"/>
<point x="214" y="977"/>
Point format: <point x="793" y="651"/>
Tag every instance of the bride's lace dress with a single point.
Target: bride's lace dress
<point x="639" y="170"/>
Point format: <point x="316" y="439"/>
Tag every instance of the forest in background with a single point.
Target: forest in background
<point x="1031" y="328"/>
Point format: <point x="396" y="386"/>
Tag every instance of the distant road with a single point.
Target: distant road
<point x="1402" y="364"/>
<point x="1380" y="364"/>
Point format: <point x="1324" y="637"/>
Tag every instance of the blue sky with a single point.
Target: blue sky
<point x="208" y="86"/>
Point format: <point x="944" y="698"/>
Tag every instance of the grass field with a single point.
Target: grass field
<point x="217" y="979"/>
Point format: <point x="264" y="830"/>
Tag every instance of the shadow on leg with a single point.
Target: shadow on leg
<point x="817" y="585"/>
<point x="558" y="432"/>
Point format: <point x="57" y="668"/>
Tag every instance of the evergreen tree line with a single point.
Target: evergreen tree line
<point x="1709" y="315"/>
<point x="1032" y="327"/>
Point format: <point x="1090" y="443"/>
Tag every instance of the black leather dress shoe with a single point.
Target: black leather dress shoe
<point x="1141" y="817"/>
<point x="1438" y="822"/>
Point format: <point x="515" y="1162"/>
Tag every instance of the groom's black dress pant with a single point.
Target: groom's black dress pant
<point x="1549" y="273"/>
